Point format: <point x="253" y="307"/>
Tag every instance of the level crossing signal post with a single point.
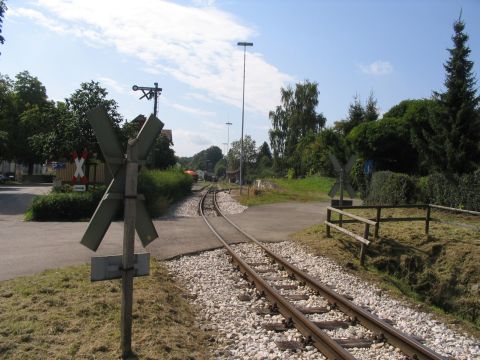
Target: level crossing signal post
<point x="122" y="190"/>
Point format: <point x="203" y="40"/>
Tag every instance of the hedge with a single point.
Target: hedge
<point x="454" y="191"/>
<point x="64" y="206"/>
<point x="389" y="188"/>
<point x="160" y="189"/>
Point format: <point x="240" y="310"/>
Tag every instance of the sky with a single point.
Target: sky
<point x="393" y="49"/>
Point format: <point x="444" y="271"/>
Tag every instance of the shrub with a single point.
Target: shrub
<point x="291" y="174"/>
<point x="65" y="206"/>
<point x="389" y="188"/>
<point x="454" y="191"/>
<point x="160" y="189"/>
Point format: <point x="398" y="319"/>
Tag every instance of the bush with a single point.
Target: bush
<point x="160" y="189"/>
<point x="291" y="174"/>
<point x="59" y="206"/>
<point x="389" y="188"/>
<point x="454" y="191"/>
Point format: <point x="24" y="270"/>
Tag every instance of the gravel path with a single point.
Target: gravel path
<point x="210" y="277"/>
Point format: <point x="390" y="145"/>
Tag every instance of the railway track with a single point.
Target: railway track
<point x="268" y="273"/>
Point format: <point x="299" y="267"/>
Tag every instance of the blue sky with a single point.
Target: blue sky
<point x="394" y="48"/>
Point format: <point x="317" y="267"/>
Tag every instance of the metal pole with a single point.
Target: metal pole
<point x="228" y="135"/>
<point x="128" y="247"/>
<point x="243" y="114"/>
<point x="156" y="96"/>
<point x="341" y="197"/>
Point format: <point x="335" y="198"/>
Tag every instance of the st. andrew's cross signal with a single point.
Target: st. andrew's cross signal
<point x="122" y="190"/>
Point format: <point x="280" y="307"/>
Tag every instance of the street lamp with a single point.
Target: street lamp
<point x="244" y="44"/>
<point x="228" y="123"/>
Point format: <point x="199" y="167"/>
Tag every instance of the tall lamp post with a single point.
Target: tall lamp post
<point x="244" y="44"/>
<point x="228" y="123"/>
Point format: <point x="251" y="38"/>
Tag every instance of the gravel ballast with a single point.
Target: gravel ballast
<point x="189" y="206"/>
<point x="216" y="287"/>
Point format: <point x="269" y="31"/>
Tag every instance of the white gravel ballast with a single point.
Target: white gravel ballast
<point x="189" y="206"/>
<point x="216" y="286"/>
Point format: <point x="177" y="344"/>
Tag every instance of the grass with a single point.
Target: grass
<point x="312" y="188"/>
<point x="442" y="271"/>
<point x="60" y="314"/>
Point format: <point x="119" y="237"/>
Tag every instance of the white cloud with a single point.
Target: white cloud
<point x="377" y="68"/>
<point x="214" y="125"/>
<point x="187" y="109"/>
<point x="112" y="84"/>
<point x="198" y="96"/>
<point x="184" y="136"/>
<point x="195" y="45"/>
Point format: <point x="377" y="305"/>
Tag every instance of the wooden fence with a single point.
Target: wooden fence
<point x="329" y="223"/>
<point x="375" y="222"/>
<point x="427" y="218"/>
<point x="95" y="172"/>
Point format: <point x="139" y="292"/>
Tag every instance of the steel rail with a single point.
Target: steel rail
<point x="326" y="345"/>
<point x="395" y="337"/>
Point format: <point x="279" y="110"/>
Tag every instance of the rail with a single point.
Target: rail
<point x="325" y="344"/>
<point x="363" y="240"/>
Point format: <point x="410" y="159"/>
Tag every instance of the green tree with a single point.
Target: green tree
<point x="291" y="121"/>
<point x="8" y="116"/>
<point x="206" y="159"/>
<point x="358" y="114"/>
<point x="249" y="154"/>
<point x="452" y="138"/>
<point x="3" y="8"/>
<point x="264" y="151"/>
<point x="162" y="155"/>
<point x="87" y="97"/>
<point x="371" y="108"/>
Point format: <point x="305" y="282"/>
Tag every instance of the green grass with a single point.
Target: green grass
<point x="441" y="270"/>
<point x="60" y="314"/>
<point x="312" y="188"/>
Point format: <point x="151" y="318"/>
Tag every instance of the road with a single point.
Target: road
<point x="30" y="247"/>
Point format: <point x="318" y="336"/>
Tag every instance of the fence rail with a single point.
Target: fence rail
<point x="363" y="240"/>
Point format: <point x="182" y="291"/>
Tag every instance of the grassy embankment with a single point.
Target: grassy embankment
<point x="59" y="314"/>
<point x="441" y="270"/>
<point x="312" y="188"/>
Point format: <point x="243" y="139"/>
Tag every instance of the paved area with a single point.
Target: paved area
<point x="30" y="247"/>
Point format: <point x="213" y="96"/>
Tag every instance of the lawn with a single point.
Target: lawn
<point x="312" y="188"/>
<point x="60" y="314"/>
<point x="441" y="270"/>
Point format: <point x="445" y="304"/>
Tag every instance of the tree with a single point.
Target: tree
<point x="358" y="114"/>
<point x="292" y="120"/>
<point x="29" y="91"/>
<point x="249" y="153"/>
<point x="206" y="159"/>
<point x="371" y="109"/>
<point x="451" y="139"/>
<point x="87" y="97"/>
<point x="264" y="151"/>
<point x="3" y="8"/>
<point x="162" y="155"/>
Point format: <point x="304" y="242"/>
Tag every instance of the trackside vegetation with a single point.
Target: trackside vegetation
<point x="311" y="188"/>
<point x="160" y="187"/>
<point x="60" y="314"/>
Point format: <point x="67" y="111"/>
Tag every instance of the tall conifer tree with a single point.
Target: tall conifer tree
<point x="453" y="146"/>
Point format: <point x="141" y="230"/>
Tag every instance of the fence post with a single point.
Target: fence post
<point x="327" y="227"/>
<point x="377" y="219"/>
<point x="427" y="220"/>
<point x="362" y="246"/>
